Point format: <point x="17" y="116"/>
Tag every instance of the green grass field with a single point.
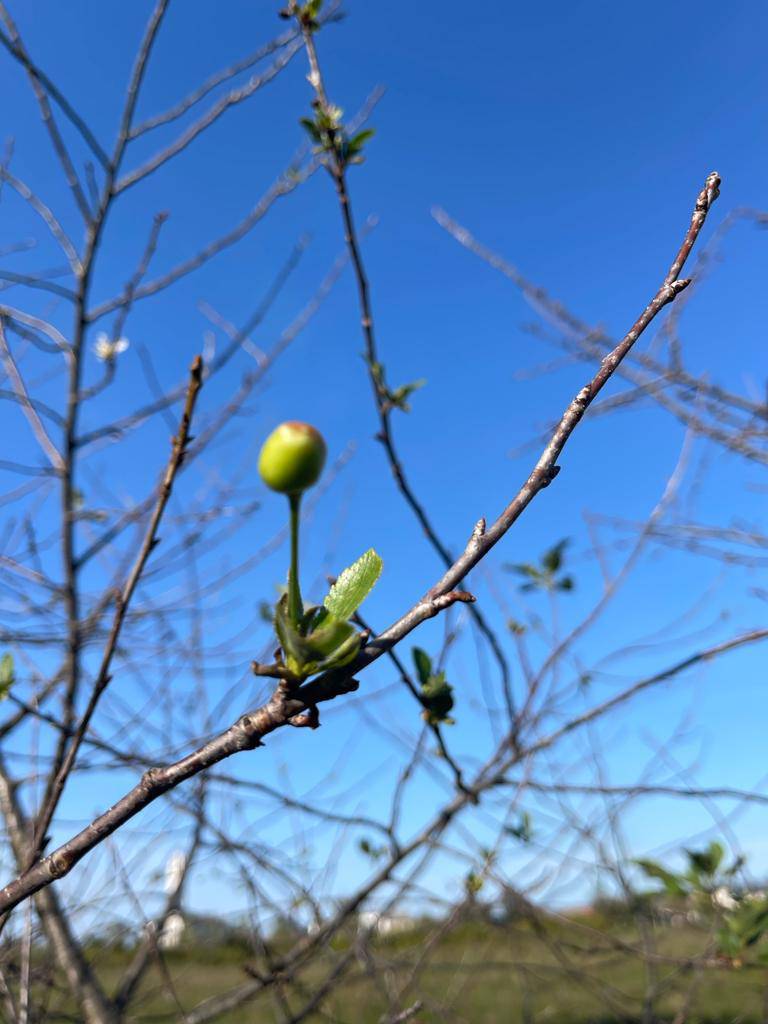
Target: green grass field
<point x="478" y="974"/>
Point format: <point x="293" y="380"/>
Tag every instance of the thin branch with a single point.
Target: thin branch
<point x="117" y="427"/>
<point x="47" y="445"/>
<point x="68" y="952"/>
<point x="189" y="101"/>
<point x="62" y="153"/>
<point x="246" y="733"/>
<point x="134" y="87"/>
<point x="405" y="1015"/>
<point x="47" y="216"/>
<point x="599" y="710"/>
<point x="284" y="185"/>
<point x="37" y="324"/>
<point x="434" y="728"/>
<point x="546" y="468"/>
<point x="187" y="137"/>
<point x="37" y="281"/>
<point x="289" y="180"/>
<point x="640" y="789"/>
<point x="18" y="51"/>
<point x="649" y="375"/>
<point x="178" y="452"/>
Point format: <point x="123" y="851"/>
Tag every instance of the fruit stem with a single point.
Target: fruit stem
<point x="295" y="605"/>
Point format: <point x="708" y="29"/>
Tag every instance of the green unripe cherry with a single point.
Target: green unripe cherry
<point x="292" y="458"/>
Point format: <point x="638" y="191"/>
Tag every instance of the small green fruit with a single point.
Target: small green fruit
<point x="292" y="457"/>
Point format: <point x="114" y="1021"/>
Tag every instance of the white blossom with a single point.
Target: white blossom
<point x="723" y="898"/>
<point x="106" y="349"/>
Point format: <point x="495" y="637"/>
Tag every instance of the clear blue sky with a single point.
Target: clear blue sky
<point x="570" y="137"/>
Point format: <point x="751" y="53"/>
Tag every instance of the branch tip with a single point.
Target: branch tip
<point x="196" y="369"/>
<point x="479" y="530"/>
<point x="710" y="192"/>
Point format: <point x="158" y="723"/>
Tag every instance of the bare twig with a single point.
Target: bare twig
<point x="123" y="600"/>
<point x="187" y="137"/>
<point x="18" y="50"/>
<point x="30" y="411"/>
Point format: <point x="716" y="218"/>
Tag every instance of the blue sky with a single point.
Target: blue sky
<point x="572" y="138"/>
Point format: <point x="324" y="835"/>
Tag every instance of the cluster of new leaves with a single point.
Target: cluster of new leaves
<point x="397" y="398"/>
<point x="326" y="127"/>
<point x="547" y="575"/>
<point x="742" y="929"/>
<point x="474" y="880"/>
<point x="308" y="13"/>
<point x="702" y="875"/>
<point x="330" y="136"/>
<point x="706" y="881"/>
<point x="436" y="693"/>
<point x="323" y="638"/>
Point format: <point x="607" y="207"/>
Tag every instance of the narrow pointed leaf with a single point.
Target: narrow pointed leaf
<point x="653" y="870"/>
<point x="423" y="664"/>
<point x="553" y="559"/>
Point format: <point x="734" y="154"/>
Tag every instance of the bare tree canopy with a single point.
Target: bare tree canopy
<point x="521" y="781"/>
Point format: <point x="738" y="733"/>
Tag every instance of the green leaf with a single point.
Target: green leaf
<point x="716" y="854"/>
<point x="423" y="664"/>
<point x="752" y="927"/>
<point x="356" y="143"/>
<point x="706" y="862"/>
<point x="353" y="586"/>
<point x="7" y="675"/>
<point x="309" y="14"/>
<point x="399" y="397"/>
<point x="523" y="569"/>
<point x="671" y="882"/>
<point x="552" y="560"/>
<point x="437" y="700"/>
<point x="311" y="128"/>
